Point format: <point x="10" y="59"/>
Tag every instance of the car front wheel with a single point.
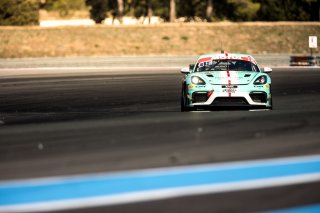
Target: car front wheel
<point x="184" y="101"/>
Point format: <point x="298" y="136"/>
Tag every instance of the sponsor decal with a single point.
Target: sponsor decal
<point x="229" y="90"/>
<point x="191" y="86"/>
<point x="226" y="56"/>
<point x="229" y="86"/>
<point x="208" y="60"/>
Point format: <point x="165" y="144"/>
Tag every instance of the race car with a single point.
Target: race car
<point x="225" y="80"/>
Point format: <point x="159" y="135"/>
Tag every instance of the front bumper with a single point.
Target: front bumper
<point x="245" y="95"/>
<point x="238" y="99"/>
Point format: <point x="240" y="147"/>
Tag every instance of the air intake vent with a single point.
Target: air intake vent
<point x="230" y="101"/>
<point x="260" y="97"/>
<point x="199" y="97"/>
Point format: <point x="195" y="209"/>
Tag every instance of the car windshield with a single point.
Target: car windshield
<point x="227" y="65"/>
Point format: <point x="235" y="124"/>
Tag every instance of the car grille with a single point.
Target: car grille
<point x="259" y="97"/>
<point x="230" y="101"/>
<point x="198" y="97"/>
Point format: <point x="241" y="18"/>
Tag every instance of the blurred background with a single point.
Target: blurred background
<point x="129" y="27"/>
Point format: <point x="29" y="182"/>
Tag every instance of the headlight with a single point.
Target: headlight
<point x="261" y="80"/>
<point x="197" y="80"/>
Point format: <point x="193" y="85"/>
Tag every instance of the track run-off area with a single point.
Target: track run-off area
<point x="107" y="135"/>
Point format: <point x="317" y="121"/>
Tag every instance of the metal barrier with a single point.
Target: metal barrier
<point x="304" y="60"/>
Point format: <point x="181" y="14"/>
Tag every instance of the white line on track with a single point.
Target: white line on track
<point x="128" y="198"/>
<point x="163" y="193"/>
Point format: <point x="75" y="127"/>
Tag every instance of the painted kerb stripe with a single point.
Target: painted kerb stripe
<point x="116" y="188"/>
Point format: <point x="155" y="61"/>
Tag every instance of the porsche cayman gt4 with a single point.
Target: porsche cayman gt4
<point x="225" y="80"/>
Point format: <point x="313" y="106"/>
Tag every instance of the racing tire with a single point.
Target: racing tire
<point x="184" y="101"/>
<point x="271" y="104"/>
<point x="270" y="107"/>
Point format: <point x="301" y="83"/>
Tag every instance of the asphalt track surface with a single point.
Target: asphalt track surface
<point x="61" y="125"/>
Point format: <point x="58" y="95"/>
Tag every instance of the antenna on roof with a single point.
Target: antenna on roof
<point x="222" y="51"/>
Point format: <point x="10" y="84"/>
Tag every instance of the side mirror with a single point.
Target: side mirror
<point x="191" y="67"/>
<point x="267" y="70"/>
<point x="185" y="70"/>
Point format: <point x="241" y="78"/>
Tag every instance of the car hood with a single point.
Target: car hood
<point x="231" y="77"/>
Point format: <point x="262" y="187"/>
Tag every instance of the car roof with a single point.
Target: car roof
<point x="237" y="56"/>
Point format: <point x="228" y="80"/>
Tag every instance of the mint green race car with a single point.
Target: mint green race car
<point x="225" y="80"/>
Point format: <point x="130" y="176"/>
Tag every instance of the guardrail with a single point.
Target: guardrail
<point x="304" y="60"/>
